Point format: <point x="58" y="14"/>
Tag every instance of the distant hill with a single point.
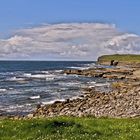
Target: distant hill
<point x="121" y="58"/>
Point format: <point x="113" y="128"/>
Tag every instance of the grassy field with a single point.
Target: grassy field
<point x="118" y="57"/>
<point x="64" y="128"/>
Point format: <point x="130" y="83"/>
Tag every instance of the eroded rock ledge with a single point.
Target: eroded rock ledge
<point x="111" y="73"/>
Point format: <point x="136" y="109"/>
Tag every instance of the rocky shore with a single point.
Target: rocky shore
<point x="123" y="101"/>
<point x="127" y="72"/>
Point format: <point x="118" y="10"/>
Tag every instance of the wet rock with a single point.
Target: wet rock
<point x="111" y="63"/>
<point x="115" y="104"/>
<point x="29" y="116"/>
<point x="38" y="106"/>
<point x="115" y="63"/>
<point x="122" y="101"/>
<point x="111" y="73"/>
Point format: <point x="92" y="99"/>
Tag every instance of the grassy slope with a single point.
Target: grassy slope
<point x="123" y="58"/>
<point x="70" y="129"/>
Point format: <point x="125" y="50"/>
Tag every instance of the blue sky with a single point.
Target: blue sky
<point x="68" y="29"/>
<point x="16" y="14"/>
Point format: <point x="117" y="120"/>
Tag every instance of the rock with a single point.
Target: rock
<point x="111" y="63"/>
<point x="121" y="102"/>
<point x="111" y="73"/>
<point x="115" y="76"/>
<point x="136" y="73"/>
<point x="30" y="116"/>
<point x="38" y="106"/>
<point x="115" y="63"/>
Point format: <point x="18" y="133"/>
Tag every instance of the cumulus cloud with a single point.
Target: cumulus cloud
<point x="69" y="41"/>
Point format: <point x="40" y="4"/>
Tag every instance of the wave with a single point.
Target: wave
<point x="94" y="84"/>
<point x="35" y="97"/>
<point x="47" y="77"/>
<point x="91" y="65"/>
<point x="3" y="89"/>
<point x="102" y="84"/>
<point x="16" y="108"/>
<point x="91" y="84"/>
<point x="39" y="76"/>
<point x="69" y="83"/>
<point x="46" y="72"/>
<point x="84" y="66"/>
<point x="79" y="68"/>
<point x="15" y="79"/>
<point x="58" y="71"/>
<point x="11" y="88"/>
<point x="6" y="73"/>
<point x="76" y="97"/>
<point x="27" y="75"/>
<point x="53" y="101"/>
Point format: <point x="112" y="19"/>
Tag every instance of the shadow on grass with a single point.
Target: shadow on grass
<point x="57" y="124"/>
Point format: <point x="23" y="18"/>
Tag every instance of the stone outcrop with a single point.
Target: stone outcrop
<point x="111" y="73"/>
<point x="113" y="63"/>
<point x="120" y="103"/>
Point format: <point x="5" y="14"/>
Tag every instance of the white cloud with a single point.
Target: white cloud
<point x="72" y="41"/>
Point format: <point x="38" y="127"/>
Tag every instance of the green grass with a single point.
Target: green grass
<point x="119" y="57"/>
<point x="69" y="128"/>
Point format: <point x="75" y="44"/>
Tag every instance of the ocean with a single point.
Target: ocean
<point x="24" y="84"/>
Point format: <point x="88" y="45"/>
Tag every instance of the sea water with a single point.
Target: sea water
<point x="24" y="84"/>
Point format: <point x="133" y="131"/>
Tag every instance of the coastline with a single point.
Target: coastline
<point x="94" y="115"/>
<point x="122" y="102"/>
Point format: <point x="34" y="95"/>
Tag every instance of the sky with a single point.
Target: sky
<point x="20" y="18"/>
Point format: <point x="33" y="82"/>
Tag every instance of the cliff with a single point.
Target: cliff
<point x="129" y="59"/>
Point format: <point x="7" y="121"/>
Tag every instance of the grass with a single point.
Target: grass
<point x="70" y="128"/>
<point x="118" y="85"/>
<point x="120" y="57"/>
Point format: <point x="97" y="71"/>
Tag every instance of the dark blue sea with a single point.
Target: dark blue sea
<point x="24" y="84"/>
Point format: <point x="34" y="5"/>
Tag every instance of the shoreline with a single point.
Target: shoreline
<point x="96" y="104"/>
<point x="122" y="102"/>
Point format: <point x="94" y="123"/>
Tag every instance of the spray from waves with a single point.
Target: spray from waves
<point x="70" y="84"/>
<point x="3" y="90"/>
<point x="53" y="101"/>
<point x="102" y="84"/>
<point x="79" y="68"/>
<point x="16" y="108"/>
<point x="15" y="79"/>
<point x="29" y="75"/>
<point x="34" y="97"/>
